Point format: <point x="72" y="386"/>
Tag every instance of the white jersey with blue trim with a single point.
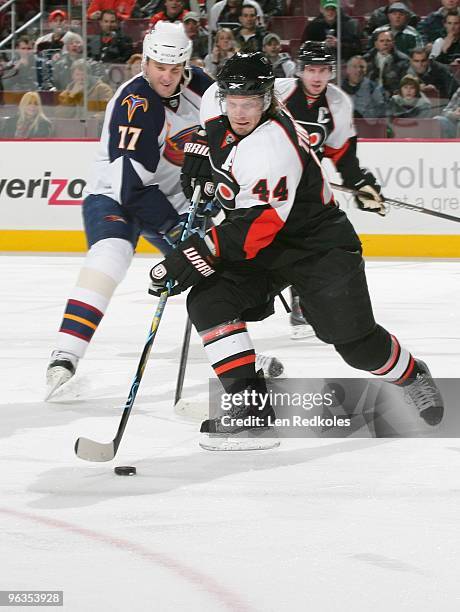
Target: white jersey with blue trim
<point x="141" y="148"/>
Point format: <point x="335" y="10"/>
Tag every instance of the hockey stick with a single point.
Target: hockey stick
<point x="183" y="361"/>
<point x="398" y="203"/>
<point x="91" y="450"/>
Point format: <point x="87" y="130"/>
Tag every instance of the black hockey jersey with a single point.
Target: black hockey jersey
<point x="280" y="205"/>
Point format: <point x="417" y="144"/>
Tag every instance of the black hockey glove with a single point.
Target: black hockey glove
<point x="196" y="169"/>
<point x="372" y="201"/>
<point x="187" y="265"/>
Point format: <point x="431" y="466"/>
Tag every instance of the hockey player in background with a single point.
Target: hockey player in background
<point x="135" y="185"/>
<point x="135" y="188"/>
<point x="282" y="228"/>
<point x="326" y="112"/>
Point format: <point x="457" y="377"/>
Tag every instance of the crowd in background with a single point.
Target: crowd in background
<point x="395" y="62"/>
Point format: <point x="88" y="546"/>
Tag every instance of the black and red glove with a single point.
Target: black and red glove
<point x="189" y="263"/>
<point x="196" y="169"/>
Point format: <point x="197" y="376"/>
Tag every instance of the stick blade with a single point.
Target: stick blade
<point x="89" y="450"/>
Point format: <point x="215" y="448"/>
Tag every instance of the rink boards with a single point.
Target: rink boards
<point x="41" y="184"/>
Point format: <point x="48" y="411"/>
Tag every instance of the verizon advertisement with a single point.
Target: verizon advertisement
<point x="41" y="185"/>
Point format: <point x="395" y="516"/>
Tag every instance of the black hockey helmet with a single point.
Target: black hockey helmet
<point x="246" y="74"/>
<point x="315" y="53"/>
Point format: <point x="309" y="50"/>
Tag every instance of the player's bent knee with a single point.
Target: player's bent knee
<point x="367" y="353"/>
<point x="207" y="307"/>
<point x="105" y="266"/>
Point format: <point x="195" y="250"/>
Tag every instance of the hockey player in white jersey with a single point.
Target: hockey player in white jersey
<point x="135" y="185"/>
<point x="326" y="112"/>
<point x="282" y="228"/>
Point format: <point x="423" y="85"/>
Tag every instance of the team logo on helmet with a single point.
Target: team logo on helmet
<point x="134" y="102"/>
<point x="174" y="145"/>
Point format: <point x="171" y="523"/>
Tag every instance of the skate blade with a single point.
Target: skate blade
<point x="300" y="332"/>
<point x="56" y="381"/>
<point x="216" y="443"/>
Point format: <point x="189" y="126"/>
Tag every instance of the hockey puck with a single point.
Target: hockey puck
<point x="125" y="470"/>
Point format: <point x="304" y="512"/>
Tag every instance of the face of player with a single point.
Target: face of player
<point x="384" y="43"/>
<point x="108" y="23"/>
<point x="453" y="26"/>
<point x="164" y="78"/>
<point x="315" y="79"/>
<point x="408" y="92"/>
<point x="356" y="70"/>
<point x="419" y="63"/>
<point x="272" y="48"/>
<point x="397" y="19"/>
<point x="248" y="18"/>
<point x="244" y="113"/>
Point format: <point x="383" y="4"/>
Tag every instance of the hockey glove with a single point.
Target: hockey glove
<point x="187" y="265"/>
<point x="371" y="200"/>
<point x="196" y="169"/>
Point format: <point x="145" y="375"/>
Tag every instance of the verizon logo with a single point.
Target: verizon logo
<point x="58" y="191"/>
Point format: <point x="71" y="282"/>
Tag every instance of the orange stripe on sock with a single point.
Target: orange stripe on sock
<point x="235" y="364"/>
<point x="410" y="369"/>
<point x="222" y="330"/>
<point x="80" y="320"/>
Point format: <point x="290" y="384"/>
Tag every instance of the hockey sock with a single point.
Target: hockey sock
<point x="380" y="347"/>
<point x="105" y="266"/>
<point x="231" y="353"/>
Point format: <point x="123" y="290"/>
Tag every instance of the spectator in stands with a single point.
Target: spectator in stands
<point x="410" y="102"/>
<point x="432" y="27"/>
<point x="52" y="42"/>
<point x="447" y="50"/>
<point x="122" y="8"/>
<point x="385" y="65"/>
<point x="324" y="28"/>
<point x="30" y="121"/>
<point x="73" y="50"/>
<point x="367" y="96"/>
<point x="134" y="65"/>
<point x="405" y="36"/>
<point x="110" y="45"/>
<point x="71" y="99"/>
<point x="282" y="63"/>
<point x="271" y="8"/>
<point x="224" y="47"/>
<point x="379" y="17"/>
<point x="198" y="37"/>
<point x="229" y="11"/>
<point x="450" y="118"/>
<point x="173" y="11"/>
<point x="249" y="36"/>
<point x="434" y="77"/>
<point x="20" y="74"/>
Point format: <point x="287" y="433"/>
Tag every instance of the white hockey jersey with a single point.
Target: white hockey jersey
<point x="141" y="148"/>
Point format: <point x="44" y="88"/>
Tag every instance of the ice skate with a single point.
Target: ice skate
<point x="60" y="370"/>
<point x="271" y="366"/>
<point x="248" y="426"/>
<point x="299" y="327"/>
<point x="423" y="393"/>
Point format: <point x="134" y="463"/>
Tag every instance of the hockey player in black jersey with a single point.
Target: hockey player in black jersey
<point x="282" y="228"/>
<point x="326" y="112"/>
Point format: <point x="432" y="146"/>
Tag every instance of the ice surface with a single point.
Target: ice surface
<point x="326" y="525"/>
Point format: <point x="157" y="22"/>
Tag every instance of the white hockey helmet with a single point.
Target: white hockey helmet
<point x="167" y="44"/>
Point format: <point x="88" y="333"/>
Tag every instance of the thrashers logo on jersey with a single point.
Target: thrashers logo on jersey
<point x="174" y="145"/>
<point x="134" y="102"/>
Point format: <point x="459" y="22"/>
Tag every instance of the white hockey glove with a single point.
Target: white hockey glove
<point x="372" y="199"/>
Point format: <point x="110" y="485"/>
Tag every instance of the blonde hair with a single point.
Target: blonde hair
<point x="219" y="33"/>
<point x="31" y="97"/>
